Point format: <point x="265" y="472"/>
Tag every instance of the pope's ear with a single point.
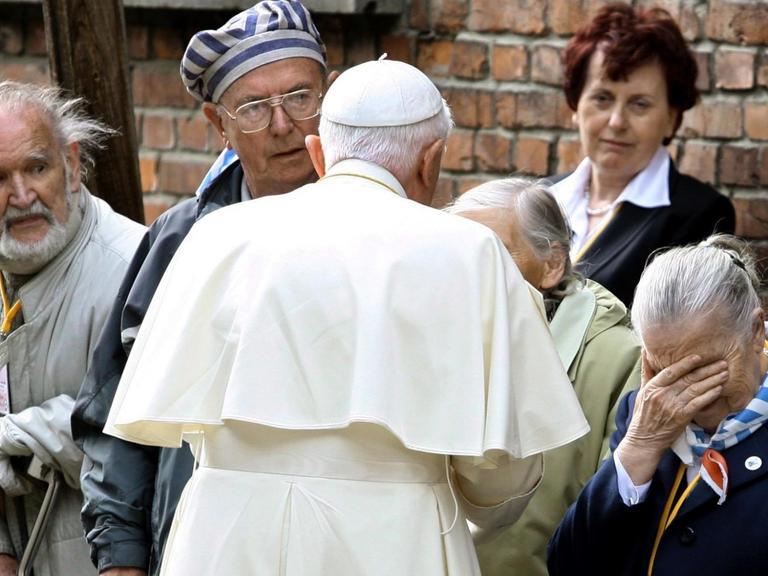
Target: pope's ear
<point x="315" y="149"/>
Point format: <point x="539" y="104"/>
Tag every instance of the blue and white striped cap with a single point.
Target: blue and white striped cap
<point x="269" y="31"/>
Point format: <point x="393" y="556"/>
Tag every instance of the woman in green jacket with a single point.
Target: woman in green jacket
<point x="591" y="330"/>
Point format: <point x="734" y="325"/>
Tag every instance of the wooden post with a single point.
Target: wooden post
<point x="87" y="53"/>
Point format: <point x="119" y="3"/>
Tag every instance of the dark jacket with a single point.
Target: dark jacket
<point x="601" y="536"/>
<point x="131" y="491"/>
<point x="618" y="255"/>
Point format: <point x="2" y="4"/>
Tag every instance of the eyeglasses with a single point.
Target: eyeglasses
<point x="255" y="116"/>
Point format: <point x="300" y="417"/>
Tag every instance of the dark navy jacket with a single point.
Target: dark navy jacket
<point x="601" y="536"/>
<point x="619" y="254"/>
<point x="131" y="491"/>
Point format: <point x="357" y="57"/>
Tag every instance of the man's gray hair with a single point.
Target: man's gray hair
<point x="67" y="117"/>
<point x="395" y="148"/>
<point x="717" y="276"/>
<point x="542" y="222"/>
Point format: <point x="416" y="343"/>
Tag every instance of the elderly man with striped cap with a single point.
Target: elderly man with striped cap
<point x="261" y="78"/>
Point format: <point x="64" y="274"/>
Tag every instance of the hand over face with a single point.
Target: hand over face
<point x="668" y="400"/>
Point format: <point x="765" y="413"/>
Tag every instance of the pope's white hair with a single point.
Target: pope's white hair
<point x="716" y="280"/>
<point x="66" y="117"/>
<point x="396" y="148"/>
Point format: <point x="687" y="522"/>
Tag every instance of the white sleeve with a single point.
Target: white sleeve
<point x="630" y="494"/>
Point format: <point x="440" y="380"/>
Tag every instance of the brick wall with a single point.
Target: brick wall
<point x="498" y="65"/>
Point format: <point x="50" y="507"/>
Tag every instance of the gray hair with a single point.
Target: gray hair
<point x="543" y="223"/>
<point x="716" y="276"/>
<point x="395" y="148"/>
<point x="66" y="116"/>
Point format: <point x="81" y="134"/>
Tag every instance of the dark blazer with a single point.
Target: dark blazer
<point x="617" y="257"/>
<point x="599" y="535"/>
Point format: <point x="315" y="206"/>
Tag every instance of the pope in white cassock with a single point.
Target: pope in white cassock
<point x="356" y="372"/>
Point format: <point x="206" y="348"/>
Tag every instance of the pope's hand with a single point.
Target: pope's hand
<point x="665" y="404"/>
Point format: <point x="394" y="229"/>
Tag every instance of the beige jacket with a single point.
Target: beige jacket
<point x="64" y="307"/>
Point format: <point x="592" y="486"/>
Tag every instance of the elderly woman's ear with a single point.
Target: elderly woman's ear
<point x="758" y="329"/>
<point x="554" y="268"/>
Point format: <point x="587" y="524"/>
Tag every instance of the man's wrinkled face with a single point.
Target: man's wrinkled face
<point x="274" y="159"/>
<point x="36" y="186"/>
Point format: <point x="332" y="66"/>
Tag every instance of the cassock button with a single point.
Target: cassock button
<point x="687" y="536"/>
<point x="753" y="463"/>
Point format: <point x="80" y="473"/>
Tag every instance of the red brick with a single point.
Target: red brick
<point x="699" y="159"/>
<point x="564" y="113"/>
<point x="567" y="16"/>
<point x="193" y="132"/>
<point x="763" y="166"/>
<point x="762" y="70"/>
<point x="469" y="60"/>
<point x="703" y="82"/>
<point x="11" y="38"/>
<point x="158" y="132"/>
<point x="449" y="15"/>
<point x="471" y="108"/>
<point x="756" y="120"/>
<point x="713" y="119"/>
<point x="153" y="208"/>
<point x="459" y="153"/>
<point x="182" y="173"/>
<point x="569" y="154"/>
<point x="734" y="69"/>
<point x="158" y="84"/>
<point x="532" y="155"/>
<point x="465" y="184"/>
<point x="444" y="192"/>
<point x="509" y="62"/>
<point x="506" y="109"/>
<point x="359" y="48"/>
<point x="546" y="65"/>
<point x="520" y="16"/>
<point x="435" y="57"/>
<point x="398" y="48"/>
<point x="671" y="6"/>
<point x="30" y="70"/>
<point x="538" y="109"/>
<point x="751" y="217"/>
<point x="739" y="166"/>
<point x="138" y="42"/>
<point x="148" y="172"/>
<point x="168" y="43"/>
<point x="35" y="39"/>
<point x="418" y="15"/>
<point x="742" y="22"/>
<point x="493" y="152"/>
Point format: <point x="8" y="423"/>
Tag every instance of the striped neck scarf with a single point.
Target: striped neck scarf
<point x="733" y="429"/>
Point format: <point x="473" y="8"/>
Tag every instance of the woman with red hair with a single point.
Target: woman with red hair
<point x="629" y="77"/>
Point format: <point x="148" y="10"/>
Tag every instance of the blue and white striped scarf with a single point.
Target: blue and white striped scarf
<point x="733" y="429"/>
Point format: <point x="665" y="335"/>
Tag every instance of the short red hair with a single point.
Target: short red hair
<point x="630" y="38"/>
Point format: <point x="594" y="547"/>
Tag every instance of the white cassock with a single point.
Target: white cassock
<point x="325" y="350"/>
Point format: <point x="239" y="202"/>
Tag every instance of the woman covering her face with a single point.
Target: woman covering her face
<point x="590" y="327"/>
<point x="686" y="490"/>
<point x="629" y="77"/>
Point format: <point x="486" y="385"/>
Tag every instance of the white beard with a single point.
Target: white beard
<point x="25" y="258"/>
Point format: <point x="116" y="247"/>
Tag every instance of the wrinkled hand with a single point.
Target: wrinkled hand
<point x="665" y="404"/>
<point x="8" y="565"/>
<point x="123" y="572"/>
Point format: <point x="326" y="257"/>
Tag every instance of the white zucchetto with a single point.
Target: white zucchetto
<point x="381" y="93"/>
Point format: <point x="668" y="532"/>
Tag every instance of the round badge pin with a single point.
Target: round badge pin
<point x="753" y="463"/>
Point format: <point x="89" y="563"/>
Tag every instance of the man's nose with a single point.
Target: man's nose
<point x="22" y="194"/>
<point x="281" y="123"/>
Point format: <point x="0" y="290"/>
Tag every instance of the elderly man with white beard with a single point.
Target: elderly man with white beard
<point x="63" y="253"/>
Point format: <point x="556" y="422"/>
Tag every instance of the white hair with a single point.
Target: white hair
<point x="716" y="277"/>
<point x="542" y="222"/>
<point x="396" y="148"/>
<point x="66" y="116"/>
